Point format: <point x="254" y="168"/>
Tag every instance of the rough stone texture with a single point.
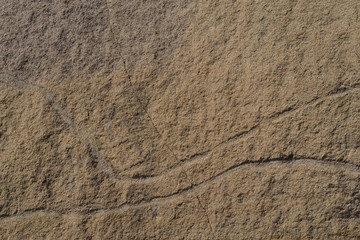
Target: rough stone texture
<point x="180" y="119"/>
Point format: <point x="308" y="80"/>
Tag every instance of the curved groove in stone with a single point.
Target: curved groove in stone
<point x="198" y="157"/>
<point x="290" y="163"/>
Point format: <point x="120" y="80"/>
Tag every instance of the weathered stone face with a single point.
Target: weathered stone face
<point x="180" y="119"/>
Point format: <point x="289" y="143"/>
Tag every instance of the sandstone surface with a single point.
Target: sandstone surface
<point x="180" y="119"/>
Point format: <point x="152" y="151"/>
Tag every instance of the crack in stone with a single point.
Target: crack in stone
<point x="315" y="101"/>
<point x="182" y="162"/>
<point x="276" y="116"/>
<point x="286" y="161"/>
<point x="152" y="122"/>
<point x="106" y="169"/>
<point x="93" y="152"/>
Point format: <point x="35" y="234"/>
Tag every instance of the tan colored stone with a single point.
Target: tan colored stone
<point x="179" y="119"/>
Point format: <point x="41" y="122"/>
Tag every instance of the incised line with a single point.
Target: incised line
<point x="151" y="120"/>
<point x="287" y="161"/>
<point x="190" y="160"/>
<point x="93" y="152"/>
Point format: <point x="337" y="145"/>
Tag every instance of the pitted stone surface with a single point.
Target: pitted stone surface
<point x="179" y="119"/>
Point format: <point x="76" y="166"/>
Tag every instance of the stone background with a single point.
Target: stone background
<point x="180" y="119"/>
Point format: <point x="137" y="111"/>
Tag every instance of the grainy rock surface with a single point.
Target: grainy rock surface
<point x="180" y="119"/>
